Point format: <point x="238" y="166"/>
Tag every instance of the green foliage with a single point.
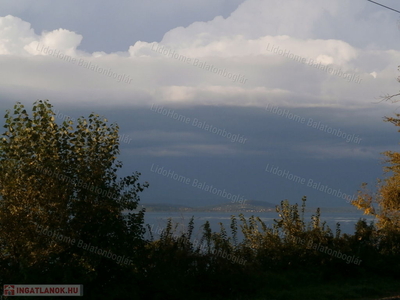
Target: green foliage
<point x="288" y="248"/>
<point x="63" y="178"/>
<point x="385" y="202"/>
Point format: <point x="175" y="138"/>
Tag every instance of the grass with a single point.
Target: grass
<point x="357" y="288"/>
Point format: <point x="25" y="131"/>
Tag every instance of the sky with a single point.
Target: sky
<point x="218" y="101"/>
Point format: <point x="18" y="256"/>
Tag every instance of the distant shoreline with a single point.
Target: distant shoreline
<point x="251" y="206"/>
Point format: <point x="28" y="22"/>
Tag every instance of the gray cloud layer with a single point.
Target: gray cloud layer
<point x="247" y="71"/>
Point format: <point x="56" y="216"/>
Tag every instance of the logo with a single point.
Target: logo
<point x="9" y="290"/>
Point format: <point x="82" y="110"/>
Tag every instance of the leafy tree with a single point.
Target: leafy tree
<point x="385" y="202"/>
<point x="63" y="179"/>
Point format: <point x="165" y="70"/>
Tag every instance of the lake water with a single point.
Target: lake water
<point x="158" y="221"/>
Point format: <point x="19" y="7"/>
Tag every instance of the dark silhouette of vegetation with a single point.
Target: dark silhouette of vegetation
<point x="293" y="259"/>
<point x="63" y="180"/>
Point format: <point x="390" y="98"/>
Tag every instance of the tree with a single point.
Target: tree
<point x="60" y="179"/>
<point x="385" y="202"/>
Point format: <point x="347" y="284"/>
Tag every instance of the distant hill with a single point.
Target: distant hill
<point x="160" y="207"/>
<point x="248" y="206"/>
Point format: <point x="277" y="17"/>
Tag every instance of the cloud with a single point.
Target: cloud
<point x="254" y="19"/>
<point x="337" y="151"/>
<point x="18" y="38"/>
<point x="63" y="40"/>
<point x="284" y="50"/>
<point x="264" y="52"/>
<point x="15" y="34"/>
<point x="188" y="150"/>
